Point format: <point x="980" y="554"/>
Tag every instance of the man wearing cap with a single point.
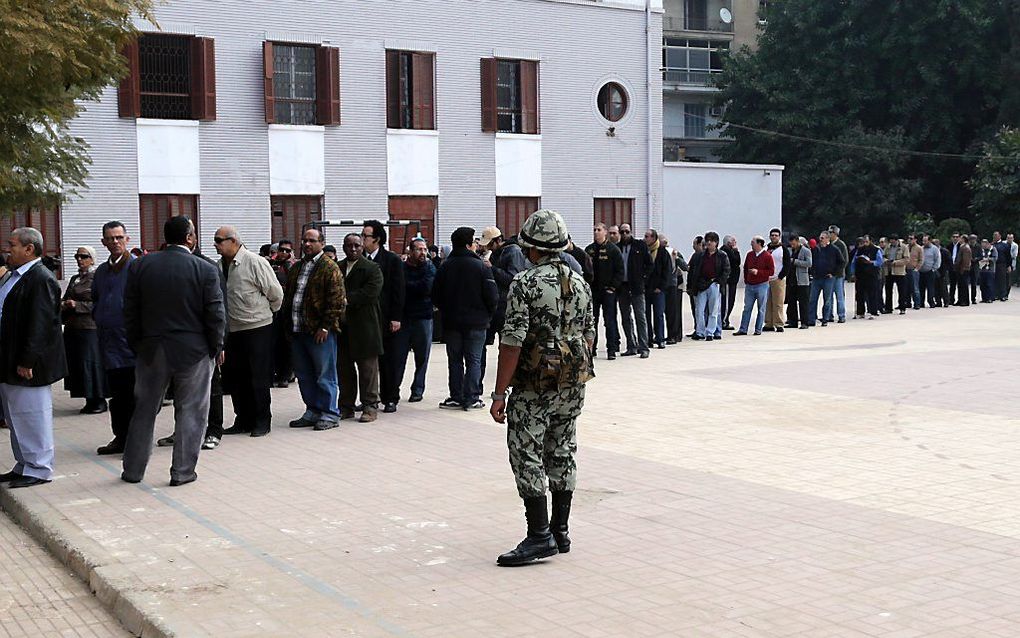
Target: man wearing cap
<point x="545" y="355"/>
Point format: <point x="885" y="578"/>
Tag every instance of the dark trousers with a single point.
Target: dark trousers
<point x="1001" y="281"/>
<point x="416" y="336"/>
<point x="247" y="372"/>
<point x="730" y="300"/>
<point x="390" y="371"/>
<point x="902" y="286"/>
<point x="942" y="289"/>
<point x="975" y="278"/>
<point x="655" y="314"/>
<point x="283" y="369"/>
<point x="605" y="302"/>
<point x="964" y="281"/>
<point x="987" y="286"/>
<point x="122" y="401"/>
<point x="865" y="295"/>
<point x="214" y="425"/>
<point x="928" y="287"/>
<point x="674" y="332"/>
<point x="464" y="360"/>
<point x="797" y="305"/>
<point x="954" y="282"/>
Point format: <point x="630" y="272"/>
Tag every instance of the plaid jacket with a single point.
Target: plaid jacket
<point x="323" y="301"/>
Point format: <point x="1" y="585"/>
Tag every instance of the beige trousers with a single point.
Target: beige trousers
<point x="774" y="308"/>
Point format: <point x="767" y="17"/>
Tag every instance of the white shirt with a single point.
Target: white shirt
<point x="11" y="279"/>
<point x="372" y="254"/>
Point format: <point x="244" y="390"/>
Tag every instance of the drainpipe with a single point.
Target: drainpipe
<point x="648" y="90"/>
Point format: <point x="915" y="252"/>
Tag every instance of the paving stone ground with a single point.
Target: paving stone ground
<point x="856" y="480"/>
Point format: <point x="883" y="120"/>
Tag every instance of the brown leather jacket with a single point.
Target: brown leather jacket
<point x="324" y="300"/>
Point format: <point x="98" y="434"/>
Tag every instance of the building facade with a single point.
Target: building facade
<point x="697" y="34"/>
<point x="267" y="116"/>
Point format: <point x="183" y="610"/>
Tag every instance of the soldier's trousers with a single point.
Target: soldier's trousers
<point x="542" y="439"/>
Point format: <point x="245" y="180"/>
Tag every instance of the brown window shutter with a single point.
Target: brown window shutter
<point x="529" y="97"/>
<point x="203" y="79"/>
<point x="129" y="99"/>
<point x="423" y="76"/>
<point x="489" y="94"/>
<point x="327" y="85"/>
<point x="267" y="81"/>
<point x="392" y="89"/>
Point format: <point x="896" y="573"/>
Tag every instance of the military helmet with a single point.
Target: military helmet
<point x="544" y="230"/>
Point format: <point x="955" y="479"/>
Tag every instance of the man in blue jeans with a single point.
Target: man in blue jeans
<point x="827" y="263"/>
<point x="466" y="294"/>
<point x="709" y="271"/>
<point x="416" y="327"/>
<point x="839" y="285"/>
<point x="758" y="269"/>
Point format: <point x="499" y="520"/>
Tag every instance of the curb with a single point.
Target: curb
<point x="111" y="583"/>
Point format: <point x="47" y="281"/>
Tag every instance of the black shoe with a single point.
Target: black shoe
<point x="113" y="447"/>
<point x="769" y="329"/>
<point x="825" y="323"/>
<point x="643" y="355"/>
<point x="841" y="321"/>
<point x="360" y="407"/>
<point x="9" y="476"/>
<point x="559" y="518"/>
<point x="283" y="384"/>
<point x="127" y="479"/>
<point x="255" y="434"/>
<point x="611" y="356"/>
<point x="94" y="408"/>
<point x="697" y="337"/>
<point x="709" y="338"/>
<point x="629" y="353"/>
<point x="804" y="327"/>
<point x="415" y="398"/>
<point x="739" y="333"/>
<point x="390" y="408"/>
<point x="239" y="429"/>
<point x="779" y="329"/>
<point x="728" y="327"/>
<point x="300" y="423"/>
<point x="178" y="482"/>
<point x="757" y="333"/>
<point x="661" y="346"/>
<point x="903" y="312"/>
<point x="26" y="481"/>
<point x="670" y="342"/>
<point x="539" y="543"/>
<point x="166" y="441"/>
<point x="326" y="425"/>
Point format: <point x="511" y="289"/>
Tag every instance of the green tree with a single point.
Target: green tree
<point x="911" y="74"/>
<point x="951" y="225"/>
<point x="56" y="53"/>
<point x="996" y="184"/>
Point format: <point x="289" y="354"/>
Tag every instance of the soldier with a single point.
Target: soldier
<point x="545" y="355"/>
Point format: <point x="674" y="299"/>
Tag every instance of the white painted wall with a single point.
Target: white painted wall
<point x="518" y="165"/>
<point x="742" y="200"/>
<point x="168" y="158"/>
<point x="412" y="162"/>
<point x="297" y="160"/>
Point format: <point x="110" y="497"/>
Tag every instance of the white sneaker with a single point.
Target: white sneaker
<point x="210" y="443"/>
<point x="477" y="405"/>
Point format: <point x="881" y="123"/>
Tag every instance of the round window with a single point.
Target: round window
<point x="612" y="102"/>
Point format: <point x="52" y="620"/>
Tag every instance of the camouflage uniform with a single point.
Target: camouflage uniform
<point x="541" y="431"/>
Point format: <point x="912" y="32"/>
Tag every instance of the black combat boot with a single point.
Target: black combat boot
<point x="539" y="543"/>
<point x="558" y="521"/>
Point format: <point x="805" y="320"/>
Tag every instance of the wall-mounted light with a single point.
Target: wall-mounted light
<point x="611" y="131"/>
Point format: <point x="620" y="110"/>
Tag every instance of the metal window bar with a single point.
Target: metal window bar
<point x="294" y="84"/>
<point x="164" y="63"/>
<point x="406" y="96"/>
<point x="508" y="97"/>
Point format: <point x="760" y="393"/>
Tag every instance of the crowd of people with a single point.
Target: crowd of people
<point x="138" y="331"/>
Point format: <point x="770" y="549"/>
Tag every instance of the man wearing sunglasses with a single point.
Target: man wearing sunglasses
<point x="283" y="371"/>
<point x="637" y="264"/>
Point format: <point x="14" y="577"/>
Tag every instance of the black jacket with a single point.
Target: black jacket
<point x="735" y="264"/>
<point x="391" y="304"/>
<point x="30" y="330"/>
<point x="639" y="263"/>
<point x="658" y="274"/>
<point x="698" y="282"/>
<point x="465" y="291"/>
<point x="606" y="264"/>
<point x="173" y="298"/>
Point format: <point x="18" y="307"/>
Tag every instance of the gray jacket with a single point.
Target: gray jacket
<point x="802" y="266"/>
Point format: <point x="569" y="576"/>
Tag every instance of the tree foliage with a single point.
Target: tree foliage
<point x="951" y="225"/>
<point x="55" y="53"/>
<point x="996" y="184"/>
<point x="911" y="74"/>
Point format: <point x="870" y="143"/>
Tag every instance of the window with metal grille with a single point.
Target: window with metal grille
<point x="512" y="211"/>
<point x="45" y="220"/>
<point x="612" y="101"/>
<point x="510" y="101"/>
<point x="165" y="76"/>
<point x="410" y="90"/>
<point x="291" y="213"/>
<point x="613" y="211"/>
<point x="294" y="84"/>
<point x="155" y="210"/>
<point x="421" y="209"/>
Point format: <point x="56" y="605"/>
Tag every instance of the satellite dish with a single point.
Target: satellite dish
<point x="725" y="15"/>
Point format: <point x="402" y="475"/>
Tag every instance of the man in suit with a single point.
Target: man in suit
<point x="175" y="319"/>
<point x="391" y="306"/>
<point x="313" y="306"/>
<point x="361" y="340"/>
<point x="31" y="357"/>
<point x="962" y="265"/>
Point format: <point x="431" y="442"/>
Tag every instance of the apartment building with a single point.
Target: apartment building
<point x="696" y="36"/>
<point x="269" y="115"/>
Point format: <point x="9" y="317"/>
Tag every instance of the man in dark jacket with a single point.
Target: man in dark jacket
<point x="774" y="319"/>
<point x="108" y="312"/>
<point x="733" y="254"/>
<point x="1003" y="266"/>
<point x="827" y="267"/>
<point x="636" y="264"/>
<point x="175" y="320"/>
<point x="709" y="271"/>
<point x="31" y="357"/>
<point x="655" y="289"/>
<point x="416" y="328"/>
<point x="391" y="305"/>
<point x="607" y="275"/>
<point x="361" y="340"/>
<point x="465" y="292"/>
<point x="582" y="258"/>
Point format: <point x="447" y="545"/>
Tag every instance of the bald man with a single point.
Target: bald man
<point x="253" y="294"/>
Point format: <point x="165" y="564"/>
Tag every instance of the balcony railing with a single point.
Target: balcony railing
<point x="679" y="76"/>
<point x="696" y="23"/>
